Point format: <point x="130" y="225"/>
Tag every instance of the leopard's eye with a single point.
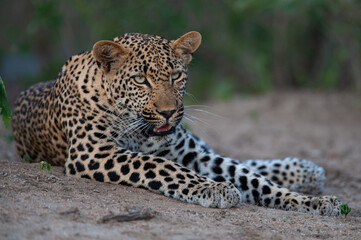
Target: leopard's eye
<point x="176" y="76"/>
<point x="139" y="79"/>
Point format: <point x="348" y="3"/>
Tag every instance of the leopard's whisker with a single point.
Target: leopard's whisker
<point x="203" y="111"/>
<point x="199" y="105"/>
<point x="111" y="108"/>
<point x="188" y="119"/>
<point x="194" y="125"/>
<point x="112" y="127"/>
<point x="122" y="125"/>
<point x="197" y="119"/>
<point x="124" y="130"/>
<point x="130" y="128"/>
<point x="192" y="96"/>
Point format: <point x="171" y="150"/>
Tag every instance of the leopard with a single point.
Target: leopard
<point x="114" y="114"/>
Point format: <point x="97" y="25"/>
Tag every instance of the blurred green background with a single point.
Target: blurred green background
<point x="249" y="46"/>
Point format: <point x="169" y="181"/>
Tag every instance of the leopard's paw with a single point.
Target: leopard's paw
<point x="326" y="205"/>
<point x="221" y="195"/>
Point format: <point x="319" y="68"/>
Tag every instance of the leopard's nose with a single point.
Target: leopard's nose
<point x="167" y="114"/>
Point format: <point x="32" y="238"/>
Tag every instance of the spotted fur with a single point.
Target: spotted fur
<point x="113" y="114"/>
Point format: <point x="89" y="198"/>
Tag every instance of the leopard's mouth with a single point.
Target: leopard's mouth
<point x="164" y="130"/>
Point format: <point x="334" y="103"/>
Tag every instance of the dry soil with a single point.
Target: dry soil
<point x="323" y="127"/>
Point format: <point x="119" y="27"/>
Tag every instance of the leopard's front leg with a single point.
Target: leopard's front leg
<point x="258" y="189"/>
<point x="106" y="163"/>
<point x="193" y="153"/>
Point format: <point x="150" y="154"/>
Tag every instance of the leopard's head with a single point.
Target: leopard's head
<point x="147" y="75"/>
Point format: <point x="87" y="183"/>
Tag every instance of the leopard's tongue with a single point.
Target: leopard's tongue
<point x="163" y="128"/>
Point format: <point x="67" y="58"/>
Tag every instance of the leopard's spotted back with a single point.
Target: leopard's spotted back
<point x="36" y="127"/>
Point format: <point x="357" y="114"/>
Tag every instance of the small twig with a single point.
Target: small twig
<point x="73" y="210"/>
<point x="55" y="177"/>
<point x="134" y="216"/>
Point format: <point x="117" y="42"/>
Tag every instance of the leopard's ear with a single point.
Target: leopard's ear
<point x="186" y="45"/>
<point x="109" y="54"/>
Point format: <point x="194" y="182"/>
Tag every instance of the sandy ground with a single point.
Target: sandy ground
<point x="323" y="127"/>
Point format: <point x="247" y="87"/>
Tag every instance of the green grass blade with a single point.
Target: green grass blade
<point x="4" y="105"/>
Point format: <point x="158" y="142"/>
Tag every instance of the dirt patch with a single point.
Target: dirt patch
<point x="323" y="127"/>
